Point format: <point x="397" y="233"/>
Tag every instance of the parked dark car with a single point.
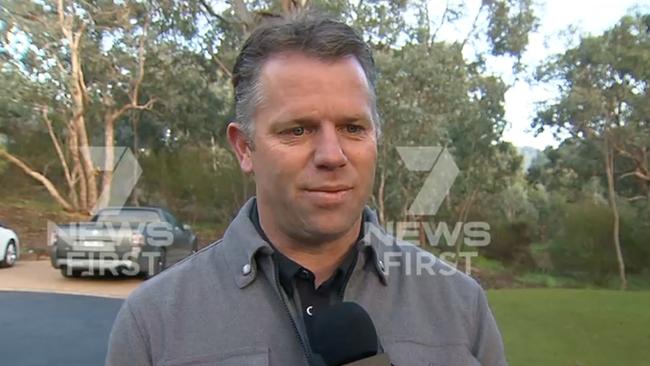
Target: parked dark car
<point x="121" y="240"/>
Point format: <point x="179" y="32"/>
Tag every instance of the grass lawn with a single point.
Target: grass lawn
<point x="562" y="327"/>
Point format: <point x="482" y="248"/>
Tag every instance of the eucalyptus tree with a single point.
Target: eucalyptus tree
<point x="603" y="99"/>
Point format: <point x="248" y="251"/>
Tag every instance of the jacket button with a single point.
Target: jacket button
<point x="304" y="274"/>
<point x="246" y="269"/>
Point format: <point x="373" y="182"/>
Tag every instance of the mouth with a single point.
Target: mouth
<point x="329" y="189"/>
<point x="329" y="195"/>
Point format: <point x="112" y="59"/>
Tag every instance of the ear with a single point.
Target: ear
<point x="241" y="145"/>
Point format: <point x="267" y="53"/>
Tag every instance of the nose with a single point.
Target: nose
<point x="328" y="152"/>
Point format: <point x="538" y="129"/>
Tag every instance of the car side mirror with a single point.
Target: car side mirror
<point x="187" y="227"/>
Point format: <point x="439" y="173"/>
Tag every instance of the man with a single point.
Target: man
<point x="307" y="129"/>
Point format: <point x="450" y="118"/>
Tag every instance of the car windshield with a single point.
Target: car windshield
<point x="127" y="216"/>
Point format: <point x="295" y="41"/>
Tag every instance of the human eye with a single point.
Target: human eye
<point x="297" y="131"/>
<point x="354" y="128"/>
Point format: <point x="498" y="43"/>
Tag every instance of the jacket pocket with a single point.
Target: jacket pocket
<point x="411" y="353"/>
<point x="246" y="356"/>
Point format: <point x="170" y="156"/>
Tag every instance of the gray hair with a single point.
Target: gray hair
<point x="307" y="33"/>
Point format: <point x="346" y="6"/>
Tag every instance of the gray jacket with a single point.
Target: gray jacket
<point x="223" y="306"/>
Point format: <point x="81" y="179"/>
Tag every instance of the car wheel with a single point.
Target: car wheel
<point x="10" y="255"/>
<point x="160" y="263"/>
<point x="73" y="273"/>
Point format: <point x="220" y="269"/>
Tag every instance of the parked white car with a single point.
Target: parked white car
<point x="9" y="247"/>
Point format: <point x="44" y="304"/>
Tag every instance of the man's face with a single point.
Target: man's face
<point x="314" y="146"/>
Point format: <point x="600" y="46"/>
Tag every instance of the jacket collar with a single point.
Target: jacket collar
<point x="242" y="244"/>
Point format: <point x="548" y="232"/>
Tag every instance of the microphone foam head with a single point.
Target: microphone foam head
<point x="343" y="333"/>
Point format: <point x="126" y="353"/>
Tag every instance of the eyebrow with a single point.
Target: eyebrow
<point x="312" y="121"/>
<point x="301" y="121"/>
<point x="357" y="118"/>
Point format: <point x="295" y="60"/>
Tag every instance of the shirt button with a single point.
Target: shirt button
<point x="304" y="274"/>
<point x="246" y="269"/>
<point x="310" y="310"/>
<point x="381" y="266"/>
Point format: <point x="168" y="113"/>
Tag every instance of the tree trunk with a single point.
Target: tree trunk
<point x="78" y="92"/>
<point x="88" y="171"/>
<point x="77" y="170"/>
<point x="51" y="189"/>
<point x="463" y="214"/>
<point x="609" y="170"/>
<point x="83" y="170"/>
<point x="135" y="119"/>
<point x="109" y="162"/>
<point x="59" y="152"/>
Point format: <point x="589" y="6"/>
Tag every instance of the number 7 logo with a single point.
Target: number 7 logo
<point x="126" y="172"/>
<point x="443" y="172"/>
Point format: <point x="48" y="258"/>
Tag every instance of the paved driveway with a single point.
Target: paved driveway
<point x="39" y="276"/>
<point x="46" y="319"/>
<point x="54" y="329"/>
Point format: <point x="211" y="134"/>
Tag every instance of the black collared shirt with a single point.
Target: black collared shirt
<point x="296" y="278"/>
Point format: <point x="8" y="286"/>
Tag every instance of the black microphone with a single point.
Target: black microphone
<point x="344" y="335"/>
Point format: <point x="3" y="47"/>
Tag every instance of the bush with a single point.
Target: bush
<point x="584" y="244"/>
<point x="635" y="234"/>
<point x="510" y="244"/>
<point x="535" y="279"/>
<point x="198" y="184"/>
<point x="585" y="241"/>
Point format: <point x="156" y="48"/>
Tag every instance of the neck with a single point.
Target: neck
<point x="322" y="257"/>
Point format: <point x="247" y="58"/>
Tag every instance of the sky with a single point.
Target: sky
<point x="590" y="17"/>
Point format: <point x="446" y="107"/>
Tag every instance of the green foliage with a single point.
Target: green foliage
<point x="430" y="96"/>
<point x="3" y="145"/>
<point x="603" y="103"/>
<point x="185" y="181"/>
<point x="540" y="279"/>
<point x="422" y="94"/>
<point x="566" y="168"/>
<point x="429" y="93"/>
<point x="515" y="204"/>
<point x="510" y="23"/>
<point x="584" y="243"/>
<point x="575" y="235"/>
<point x="600" y="80"/>
<point x="510" y="243"/>
<point x="637" y="281"/>
<point x="635" y="234"/>
<point x="485" y="263"/>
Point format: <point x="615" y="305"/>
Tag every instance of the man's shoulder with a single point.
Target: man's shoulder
<point x="192" y="273"/>
<point x="423" y="266"/>
<point x="415" y="266"/>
